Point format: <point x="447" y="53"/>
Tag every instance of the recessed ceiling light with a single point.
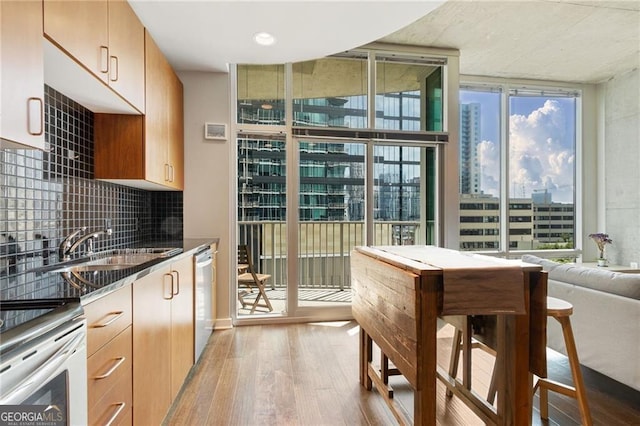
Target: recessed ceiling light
<point x="264" y="39"/>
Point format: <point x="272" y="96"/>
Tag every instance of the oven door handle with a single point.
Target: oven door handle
<point x="23" y="389"/>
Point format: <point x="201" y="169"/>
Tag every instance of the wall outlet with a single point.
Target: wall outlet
<point x="634" y="265"/>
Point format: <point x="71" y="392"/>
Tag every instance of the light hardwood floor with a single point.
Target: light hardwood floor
<point x="307" y="374"/>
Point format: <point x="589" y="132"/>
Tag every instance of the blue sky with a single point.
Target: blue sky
<point x="542" y="144"/>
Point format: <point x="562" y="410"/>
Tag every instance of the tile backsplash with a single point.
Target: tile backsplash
<point x="46" y="195"/>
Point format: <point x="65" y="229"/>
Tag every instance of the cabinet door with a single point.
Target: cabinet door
<point x="152" y="347"/>
<point x="176" y="129"/>
<point x="126" y="53"/>
<point x="157" y="73"/>
<point x="81" y="29"/>
<point x="182" y="338"/>
<point x="21" y="75"/>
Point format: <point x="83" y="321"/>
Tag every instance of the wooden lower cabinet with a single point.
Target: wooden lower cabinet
<point x="109" y="359"/>
<point x="162" y="339"/>
<point x="116" y="413"/>
<point x="182" y="333"/>
<point x="109" y="376"/>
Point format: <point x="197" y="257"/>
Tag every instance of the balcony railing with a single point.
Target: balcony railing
<point x="323" y="248"/>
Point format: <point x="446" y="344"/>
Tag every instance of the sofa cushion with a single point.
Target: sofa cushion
<point x="547" y="265"/>
<point x="622" y="284"/>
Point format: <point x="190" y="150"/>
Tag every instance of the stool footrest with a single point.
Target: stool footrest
<point x="557" y="387"/>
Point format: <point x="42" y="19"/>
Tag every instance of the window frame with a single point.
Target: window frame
<point x="507" y="88"/>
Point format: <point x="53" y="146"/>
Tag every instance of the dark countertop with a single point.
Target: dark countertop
<point x="118" y="279"/>
<point x="89" y="286"/>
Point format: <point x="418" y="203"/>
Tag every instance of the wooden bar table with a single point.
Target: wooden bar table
<point x="400" y="291"/>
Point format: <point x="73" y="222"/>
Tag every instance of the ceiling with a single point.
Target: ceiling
<point x="562" y="40"/>
<point x="206" y="35"/>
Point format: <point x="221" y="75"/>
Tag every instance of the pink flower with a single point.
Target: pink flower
<point x="601" y="240"/>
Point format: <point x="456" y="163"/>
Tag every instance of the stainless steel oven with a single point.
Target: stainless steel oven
<point x="43" y="365"/>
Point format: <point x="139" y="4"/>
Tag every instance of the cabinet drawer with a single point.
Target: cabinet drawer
<point x="107" y="317"/>
<point x="108" y="366"/>
<point x="115" y="407"/>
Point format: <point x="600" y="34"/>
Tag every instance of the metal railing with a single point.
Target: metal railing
<point x="323" y="248"/>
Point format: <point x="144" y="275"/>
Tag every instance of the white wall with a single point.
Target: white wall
<point x="208" y="173"/>
<point x="622" y="166"/>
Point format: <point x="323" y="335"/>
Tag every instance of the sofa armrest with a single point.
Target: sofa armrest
<point x="606" y="329"/>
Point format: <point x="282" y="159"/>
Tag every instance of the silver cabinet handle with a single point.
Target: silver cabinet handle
<point x="167" y="172"/>
<point x="115" y="315"/>
<point x="35" y="125"/>
<point x="113" y="69"/>
<point x="178" y="283"/>
<point x="115" y="415"/>
<point x="170" y="292"/>
<point x="113" y="368"/>
<point x="104" y="59"/>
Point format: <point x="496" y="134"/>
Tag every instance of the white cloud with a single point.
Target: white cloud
<point x="541" y="155"/>
<point x="489" y="158"/>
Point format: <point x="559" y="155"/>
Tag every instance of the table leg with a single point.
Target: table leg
<point x="366" y="356"/>
<point x="514" y="381"/>
<point x="424" y="404"/>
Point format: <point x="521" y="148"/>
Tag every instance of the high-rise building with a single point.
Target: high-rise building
<point x="470" y="176"/>
<point x="331" y="174"/>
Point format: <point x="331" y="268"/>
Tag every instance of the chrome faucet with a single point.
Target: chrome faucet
<point x="63" y="248"/>
<point x="66" y="247"/>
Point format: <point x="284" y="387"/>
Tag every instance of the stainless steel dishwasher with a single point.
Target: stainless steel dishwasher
<point x="203" y="299"/>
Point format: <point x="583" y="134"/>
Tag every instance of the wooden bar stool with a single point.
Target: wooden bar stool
<point x="463" y="333"/>
<point x="561" y="310"/>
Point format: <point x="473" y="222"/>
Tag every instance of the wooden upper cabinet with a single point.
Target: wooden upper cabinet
<point x="21" y="75"/>
<point x="81" y="29"/>
<point x="164" y="127"/>
<point x="158" y="77"/>
<point x="105" y="37"/>
<point x="126" y="53"/>
<point x="176" y="130"/>
<point x="145" y="151"/>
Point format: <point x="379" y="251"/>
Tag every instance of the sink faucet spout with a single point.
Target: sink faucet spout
<point x="69" y="248"/>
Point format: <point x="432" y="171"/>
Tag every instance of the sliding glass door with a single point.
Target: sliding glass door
<point x="332" y="154"/>
<point x="331" y="206"/>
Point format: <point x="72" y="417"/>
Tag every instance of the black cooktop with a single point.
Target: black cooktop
<point x="31" y="293"/>
<point x="22" y="320"/>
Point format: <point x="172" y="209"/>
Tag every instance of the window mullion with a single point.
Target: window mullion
<point x="504" y="172"/>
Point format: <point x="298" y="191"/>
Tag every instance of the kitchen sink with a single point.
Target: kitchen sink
<point x="114" y="260"/>
<point x="123" y="258"/>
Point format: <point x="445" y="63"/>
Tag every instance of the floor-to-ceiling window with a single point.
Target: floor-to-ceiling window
<point x="517" y="157"/>
<point x="328" y="161"/>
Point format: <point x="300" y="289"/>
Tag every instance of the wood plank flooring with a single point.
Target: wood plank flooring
<point x="307" y="375"/>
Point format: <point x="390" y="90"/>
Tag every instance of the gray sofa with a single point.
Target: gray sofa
<point x="605" y="320"/>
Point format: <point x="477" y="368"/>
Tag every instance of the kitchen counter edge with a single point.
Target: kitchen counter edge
<point x="190" y="247"/>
